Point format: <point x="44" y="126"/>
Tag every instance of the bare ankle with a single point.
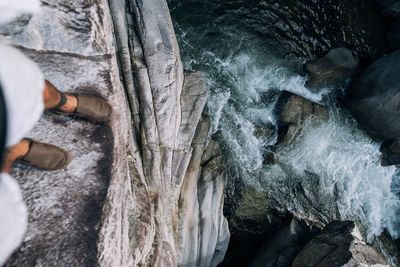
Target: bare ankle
<point x="15" y="153"/>
<point x="51" y="95"/>
<point x="70" y="105"/>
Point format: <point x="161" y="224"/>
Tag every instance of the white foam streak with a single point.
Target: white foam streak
<point x="216" y="102"/>
<point x="348" y="162"/>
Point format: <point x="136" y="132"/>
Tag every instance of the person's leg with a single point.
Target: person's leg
<point x="14" y="153"/>
<point x="52" y="98"/>
<point x="91" y="107"/>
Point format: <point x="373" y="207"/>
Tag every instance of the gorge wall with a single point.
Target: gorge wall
<point x="145" y="190"/>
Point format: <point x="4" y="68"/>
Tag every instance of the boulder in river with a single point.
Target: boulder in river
<point x="374" y="101"/>
<point x="294" y="111"/>
<point x="339" y="244"/>
<point x="332" y="70"/>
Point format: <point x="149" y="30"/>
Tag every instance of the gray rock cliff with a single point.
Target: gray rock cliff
<point x="139" y="189"/>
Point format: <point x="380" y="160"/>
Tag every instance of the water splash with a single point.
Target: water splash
<point x="347" y="163"/>
<point x="331" y="172"/>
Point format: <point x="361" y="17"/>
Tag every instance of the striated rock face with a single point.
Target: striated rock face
<point x="203" y="233"/>
<point x="167" y="170"/>
<point x="148" y="189"/>
<point x="339" y="244"/>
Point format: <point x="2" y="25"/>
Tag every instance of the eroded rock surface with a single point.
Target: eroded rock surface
<point x="203" y="234"/>
<point x="166" y="106"/>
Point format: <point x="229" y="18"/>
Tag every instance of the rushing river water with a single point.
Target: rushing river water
<point x="332" y="171"/>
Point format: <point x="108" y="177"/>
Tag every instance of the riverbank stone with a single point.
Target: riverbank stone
<point x="293" y="112"/>
<point x="332" y="70"/>
<point x="374" y="100"/>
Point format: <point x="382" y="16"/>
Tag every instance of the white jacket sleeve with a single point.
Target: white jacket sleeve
<point x="10" y="9"/>
<point x="23" y="84"/>
<point x="13" y="214"/>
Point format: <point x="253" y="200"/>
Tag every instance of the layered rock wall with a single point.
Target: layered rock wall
<point x="166" y="108"/>
<point x="148" y="183"/>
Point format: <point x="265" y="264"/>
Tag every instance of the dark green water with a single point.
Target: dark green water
<point x="251" y="51"/>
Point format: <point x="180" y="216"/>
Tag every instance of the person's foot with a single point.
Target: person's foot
<point x="93" y="108"/>
<point x="39" y="155"/>
<point x="45" y="156"/>
<point x="90" y="107"/>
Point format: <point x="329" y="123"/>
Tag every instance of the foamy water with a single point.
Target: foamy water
<point x="347" y="163"/>
<point x="332" y="171"/>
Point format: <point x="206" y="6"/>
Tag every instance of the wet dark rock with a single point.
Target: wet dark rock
<point x="390" y="247"/>
<point x="294" y="112"/>
<point x="248" y="236"/>
<point x="390" y="7"/>
<point x="263" y="132"/>
<point x="394" y="35"/>
<point x="251" y="220"/>
<point x="339" y="244"/>
<point x="250" y="213"/>
<point x="269" y="158"/>
<point x="283" y="245"/>
<point x="296" y="109"/>
<point x="333" y="70"/>
<point x="390" y="152"/>
<point x="374" y="100"/>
